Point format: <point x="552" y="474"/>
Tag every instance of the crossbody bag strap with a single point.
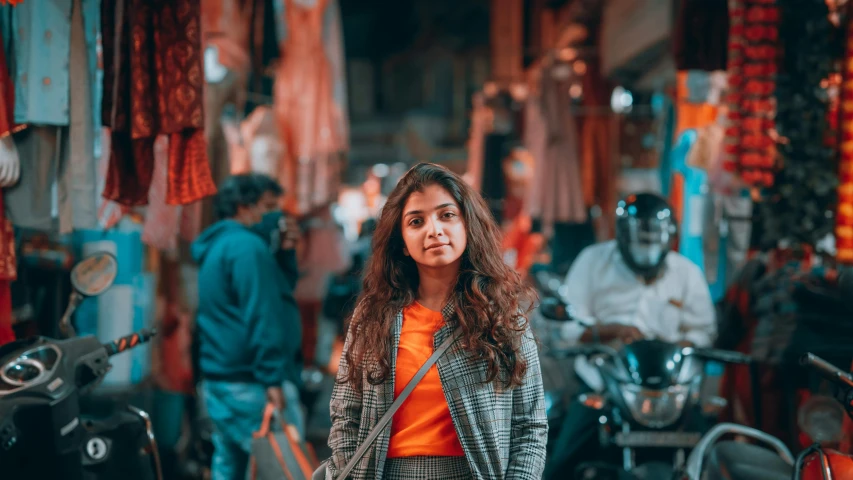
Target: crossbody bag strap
<point x="383" y="422"/>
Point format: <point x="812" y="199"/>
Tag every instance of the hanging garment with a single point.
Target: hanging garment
<point x="558" y="187"/>
<point x="8" y="261"/>
<point x="225" y="28"/>
<point x="8" y="274"/>
<point x="10" y="162"/>
<point x="62" y="152"/>
<point x="326" y="255"/>
<point x="310" y="120"/>
<point x="701" y="30"/>
<point x="333" y="41"/>
<point x="476" y="136"/>
<point x="597" y="166"/>
<point x="162" y="221"/>
<point x="37" y="35"/>
<point x="7" y="95"/>
<point x="153" y="83"/>
<point x="536" y="141"/>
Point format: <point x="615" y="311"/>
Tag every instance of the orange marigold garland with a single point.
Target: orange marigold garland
<point x="753" y="50"/>
<point x="844" y="212"/>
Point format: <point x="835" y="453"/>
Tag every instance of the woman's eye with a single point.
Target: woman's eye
<point x="449" y="215"/>
<point x="415" y="222"/>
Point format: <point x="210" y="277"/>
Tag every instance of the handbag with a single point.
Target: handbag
<point x="277" y="455"/>
<point x="321" y="472"/>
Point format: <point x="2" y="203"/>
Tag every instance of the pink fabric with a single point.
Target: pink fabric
<point x="551" y="134"/>
<point x="162" y="221"/>
<point x="109" y="212"/>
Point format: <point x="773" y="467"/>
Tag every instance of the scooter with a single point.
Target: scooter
<point x="43" y="431"/>
<point x="713" y="459"/>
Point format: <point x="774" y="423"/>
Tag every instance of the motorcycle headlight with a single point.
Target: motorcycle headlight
<point x="655" y="408"/>
<point x="821" y="417"/>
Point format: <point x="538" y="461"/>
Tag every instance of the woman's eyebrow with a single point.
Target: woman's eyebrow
<point x="418" y="212"/>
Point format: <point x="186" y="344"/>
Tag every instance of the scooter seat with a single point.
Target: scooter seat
<point x="744" y="461"/>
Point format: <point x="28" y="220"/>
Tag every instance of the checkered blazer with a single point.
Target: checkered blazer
<point x="503" y="432"/>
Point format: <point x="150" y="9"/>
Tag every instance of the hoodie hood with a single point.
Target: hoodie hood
<point x="213" y="234"/>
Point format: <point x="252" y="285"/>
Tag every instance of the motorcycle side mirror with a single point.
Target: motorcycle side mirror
<point x="94" y="274"/>
<point x="90" y="277"/>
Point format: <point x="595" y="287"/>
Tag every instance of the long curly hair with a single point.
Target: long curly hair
<point x="491" y="300"/>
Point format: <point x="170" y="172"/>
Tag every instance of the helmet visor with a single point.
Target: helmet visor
<point x="648" y="240"/>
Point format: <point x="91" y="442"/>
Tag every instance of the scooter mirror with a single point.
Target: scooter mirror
<point x="94" y="274"/>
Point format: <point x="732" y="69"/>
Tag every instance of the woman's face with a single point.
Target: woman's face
<point x="433" y="228"/>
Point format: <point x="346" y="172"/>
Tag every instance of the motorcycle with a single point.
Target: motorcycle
<point x="650" y="408"/>
<point x="44" y="430"/>
<point x="713" y="459"/>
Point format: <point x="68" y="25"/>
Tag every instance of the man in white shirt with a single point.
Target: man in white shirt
<point x="631" y="288"/>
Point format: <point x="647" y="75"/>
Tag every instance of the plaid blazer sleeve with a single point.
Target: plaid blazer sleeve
<point x="529" y="420"/>
<point x="345" y="411"/>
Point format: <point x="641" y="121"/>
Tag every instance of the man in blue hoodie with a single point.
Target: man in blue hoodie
<point x="248" y="328"/>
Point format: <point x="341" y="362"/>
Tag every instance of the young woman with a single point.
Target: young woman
<point x="480" y="411"/>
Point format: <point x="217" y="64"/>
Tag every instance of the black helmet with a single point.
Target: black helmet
<point x="645" y="232"/>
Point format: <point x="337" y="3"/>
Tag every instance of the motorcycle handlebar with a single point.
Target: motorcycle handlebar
<point x="828" y="370"/>
<point x="130" y="341"/>
<point x="586" y="350"/>
<point x="723" y="356"/>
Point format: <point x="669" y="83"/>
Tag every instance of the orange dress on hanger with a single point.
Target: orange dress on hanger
<point x="306" y="112"/>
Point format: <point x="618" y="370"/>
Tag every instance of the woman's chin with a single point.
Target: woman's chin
<point x="440" y="261"/>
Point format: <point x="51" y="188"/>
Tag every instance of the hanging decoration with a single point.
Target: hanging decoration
<point x="752" y="54"/>
<point x="798" y="208"/>
<point x="844" y="212"/>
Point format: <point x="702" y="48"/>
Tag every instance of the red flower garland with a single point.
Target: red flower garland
<point x="753" y="49"/>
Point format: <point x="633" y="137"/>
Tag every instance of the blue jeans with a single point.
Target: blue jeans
<point x="236" y="411"/>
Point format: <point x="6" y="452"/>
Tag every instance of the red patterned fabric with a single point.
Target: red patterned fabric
<point x="7" y="97"/>
<point x="753" y="50"/>
<point x="153" y="84"/>
<point x="8" y="272"/>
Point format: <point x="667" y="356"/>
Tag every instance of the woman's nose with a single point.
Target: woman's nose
<point x="435" y="227"/>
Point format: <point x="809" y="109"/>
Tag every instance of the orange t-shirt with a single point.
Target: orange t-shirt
<point x="422" y="426"/>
